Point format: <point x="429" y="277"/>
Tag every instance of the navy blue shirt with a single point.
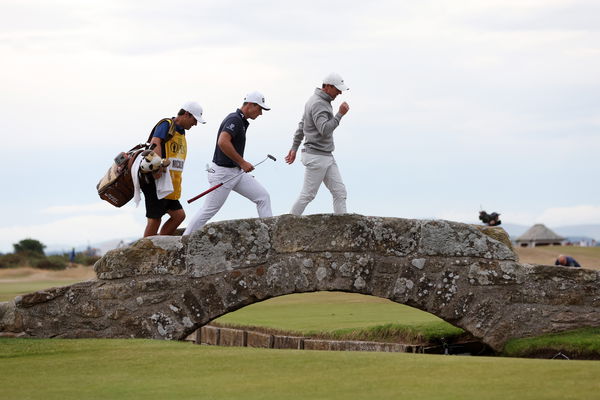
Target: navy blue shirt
<point x="571" y="262"/>
<point x="162" y="129"/>
<point x="235" y="124"/>
<point x="161" y="132"/>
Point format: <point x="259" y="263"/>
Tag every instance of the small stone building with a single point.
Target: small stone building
<point x="539" y="235"/>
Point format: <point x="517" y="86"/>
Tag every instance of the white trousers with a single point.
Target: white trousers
<point x="244" y="184"/>
<point x="321" y="168"/>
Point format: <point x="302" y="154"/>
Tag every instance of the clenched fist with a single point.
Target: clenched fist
<point x="344" y="107"/>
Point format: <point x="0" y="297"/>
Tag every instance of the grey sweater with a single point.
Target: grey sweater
<point x="317" y="125"/>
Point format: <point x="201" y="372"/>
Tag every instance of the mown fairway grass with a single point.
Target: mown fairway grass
<point x="341" y="315"/>
<point x="145" y="369"/>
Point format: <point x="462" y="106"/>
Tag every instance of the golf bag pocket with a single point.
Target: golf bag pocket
<point x="116" y="186"/>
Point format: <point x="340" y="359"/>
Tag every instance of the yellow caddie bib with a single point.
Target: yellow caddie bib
<point x="176" y="150"/>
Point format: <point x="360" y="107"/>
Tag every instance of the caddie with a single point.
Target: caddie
<point x="316" y="128"/>
<point x="169" y="139"/>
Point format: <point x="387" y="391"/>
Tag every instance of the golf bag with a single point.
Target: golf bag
<point x="116" y="186"/>
<point x="490" y="219"/>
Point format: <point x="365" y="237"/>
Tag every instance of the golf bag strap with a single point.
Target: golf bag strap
<point x="169" y="132"/>
<point x="169" y="135"/>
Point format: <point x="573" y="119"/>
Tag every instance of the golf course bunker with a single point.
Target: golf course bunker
<point x="167" y="287"/>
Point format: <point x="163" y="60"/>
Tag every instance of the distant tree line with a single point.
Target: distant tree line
<point x="30" y="253"/>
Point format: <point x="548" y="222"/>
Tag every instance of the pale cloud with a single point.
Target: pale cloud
<point x="78" y="209"/>
<point x="472" y="216"/>
<point x="467" y="217"/>
<point x="74" y="231"/>
<point x="553" y="216"/>
<point x="585" y="214"/>
<point x="445" y="95"/>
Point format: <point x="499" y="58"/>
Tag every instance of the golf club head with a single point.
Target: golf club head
<point x="271" y="157"/>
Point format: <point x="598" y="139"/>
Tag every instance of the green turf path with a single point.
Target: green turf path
<point x="145" y="369"/>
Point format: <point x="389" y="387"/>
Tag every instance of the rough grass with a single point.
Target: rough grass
<point x="398" y="333"/>
<point x="22" y="280"/>
<point x="29" y="274"/>
<point x="391" y="333"/>
<point x="335" y="315"/>
<point x="9" y="290"/>
<point x="588" y="257"/>
<point x="144" y="369"/>
<point x="575" y="344"/>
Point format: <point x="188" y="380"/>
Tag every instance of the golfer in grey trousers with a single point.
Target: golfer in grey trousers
<point x="316" y="128"/>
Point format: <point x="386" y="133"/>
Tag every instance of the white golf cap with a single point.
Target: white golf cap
<point x="335" y="80"/>
<point x="194" y="108"/>
<point x="257" y="98"/>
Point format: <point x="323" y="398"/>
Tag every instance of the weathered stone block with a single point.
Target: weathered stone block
<point x="350" y="345"/>
<point x="257" y="339"/>
<point x="348" y="232"/>
<point x="155" y="255"/>
<point x="232" y="337"/>
<point x="193" y="337"/>
<point x="43" y="296"/>
<point x="317" y="344"/>
<point x="288" y="342"/>
<point x="228" y="245"/>
<point x="453" y="239"/>
<point x="210" y="335"/>
<point x="368" y="346"/>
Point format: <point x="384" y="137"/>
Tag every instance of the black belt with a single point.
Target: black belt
<point x="226" y="166"/>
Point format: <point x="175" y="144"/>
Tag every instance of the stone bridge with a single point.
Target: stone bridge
<point x="167" y="287"/>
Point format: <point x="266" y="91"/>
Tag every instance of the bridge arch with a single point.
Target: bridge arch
<point x="339" y="316"/>
<point x="167" y="287"/>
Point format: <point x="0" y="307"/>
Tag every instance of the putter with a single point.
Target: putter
<point x="207" y="191"/>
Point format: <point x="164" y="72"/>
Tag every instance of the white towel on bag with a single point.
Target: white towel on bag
<point x="164" y="184"/>
<point x="135" y="167"/>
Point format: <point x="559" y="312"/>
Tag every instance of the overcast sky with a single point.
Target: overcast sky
<point x="454" y="105"/>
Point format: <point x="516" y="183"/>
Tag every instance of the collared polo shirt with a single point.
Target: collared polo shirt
<point x="235" y="124"/>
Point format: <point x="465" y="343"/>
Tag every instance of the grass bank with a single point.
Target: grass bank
<point x="145" y="369"/>
<point x="580" y="343"/>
